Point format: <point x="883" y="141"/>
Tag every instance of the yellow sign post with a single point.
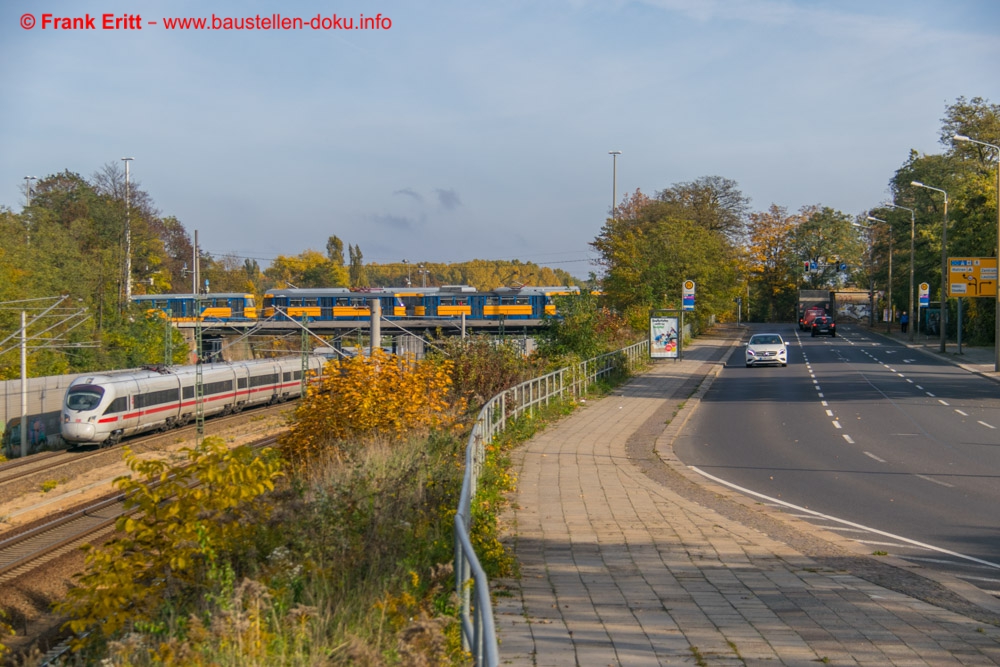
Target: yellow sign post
<point x="972" y="276"/>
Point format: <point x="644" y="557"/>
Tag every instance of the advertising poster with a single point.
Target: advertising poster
<point x="663" y="337"/>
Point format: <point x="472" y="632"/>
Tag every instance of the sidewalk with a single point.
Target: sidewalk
<point x="627" y="560"/>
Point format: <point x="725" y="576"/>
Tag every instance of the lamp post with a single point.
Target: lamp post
<point x="614" y="183"/>
<point x="944" y="262"/>
<point x="996" y="332"/>
<point x="128" y="238"/>
<point x="913" y="221"/>
<point x="888" y="320"/>
<point x="27" y="197"/>
<point x="27" y="188"/>
<point x="407" y="264"/>
<point x="871" y="273"/>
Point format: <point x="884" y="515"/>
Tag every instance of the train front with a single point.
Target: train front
<point x="82" y="410"/>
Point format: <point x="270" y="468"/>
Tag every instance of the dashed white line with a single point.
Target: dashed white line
<point x="935" y="481"/>
<point x="990" y="426"/>
<point x="942" y="402"/>
<point x="919" y="387"/>
<point x="848" y="439"/>
<point x="931" y="395"/>
<point x="836" y="424"/>
<point x="964" y="414"/>
<point x="829" y="413"/>
<point x="869" y="454"/>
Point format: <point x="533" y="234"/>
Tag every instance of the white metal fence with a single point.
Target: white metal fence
<point x="473" y="588"/>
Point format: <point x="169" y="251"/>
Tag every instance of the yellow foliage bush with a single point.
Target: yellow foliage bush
<point x="187" y="514"/>
<point x="365" y="398"/>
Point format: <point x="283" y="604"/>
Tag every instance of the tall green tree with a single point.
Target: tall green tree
<point x="647" y="257"/>
<point x="358" y="272"/>
<point x="826" y="240"/>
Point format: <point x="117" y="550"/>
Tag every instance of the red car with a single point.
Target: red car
<point x="805" y="322"/>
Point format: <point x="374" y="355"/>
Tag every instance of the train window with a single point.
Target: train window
<point x="120" y="404"/>
<point x="241" y="383"/>
<point x="311" y="302"/>
<point x="261" y="380"/>
<point x="295" y="303"/>
<point x="297" y="375"/>
<point x="155" y="398"/>
<point x="85" y="397"/>
<point x="188" y="392"/>
<point x="218" y="387"/>
<point x="285" y="377"/>
<point x="249" y="302"/>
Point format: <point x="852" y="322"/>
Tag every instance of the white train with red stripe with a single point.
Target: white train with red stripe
<point x="104" y="408"/>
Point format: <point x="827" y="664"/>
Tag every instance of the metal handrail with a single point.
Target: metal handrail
<point x="471" y="583"/>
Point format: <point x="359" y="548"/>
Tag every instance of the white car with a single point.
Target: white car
<point x="766" y="348"/>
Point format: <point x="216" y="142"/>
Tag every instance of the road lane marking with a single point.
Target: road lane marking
<point x="990" y="426"/>
<point x="836" y="424"/>
<point x="919" y="387"/>
<point x="848" y="439"/>
<point x="845" y="522"/>
<point x="874" y="457"/>
<point x="829" y="413"/>
<point x="935" y="481"/>
<point x="942" y="402"/>
<point x="964" y="414"/>
<point x="931" y="395"/>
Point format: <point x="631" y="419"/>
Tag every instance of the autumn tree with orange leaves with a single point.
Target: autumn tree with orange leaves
<point x="362" y="399"/>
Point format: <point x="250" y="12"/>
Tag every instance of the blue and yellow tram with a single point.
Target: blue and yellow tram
<point x="218" y="307"/>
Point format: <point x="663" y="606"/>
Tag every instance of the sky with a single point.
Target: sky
<point x="463" y="129"/>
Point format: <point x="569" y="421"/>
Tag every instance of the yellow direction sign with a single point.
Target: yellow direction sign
<point x="972" y="276"/>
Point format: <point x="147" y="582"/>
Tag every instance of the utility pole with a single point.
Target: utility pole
<point x="199" y="376"/>
<point x="24" y="384"/>
<point x="128" y="238"/>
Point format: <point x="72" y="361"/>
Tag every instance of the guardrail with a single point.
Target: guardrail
<point x="471" y="583"/>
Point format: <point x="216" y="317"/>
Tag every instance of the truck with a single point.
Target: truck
<point x="812" y="303"/>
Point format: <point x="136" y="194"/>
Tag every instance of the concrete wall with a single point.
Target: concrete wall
<point x="45" y="396"/>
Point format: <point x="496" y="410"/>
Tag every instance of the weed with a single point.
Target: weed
<point x="880" y="553"/>
<point x="48" y="485"/>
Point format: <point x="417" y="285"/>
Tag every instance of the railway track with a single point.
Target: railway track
<point x="42" y="543"/>
<point x="22" y="555"/>
<point x="35" y="469"/>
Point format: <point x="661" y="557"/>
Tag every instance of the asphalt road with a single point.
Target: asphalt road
<point x="861" y="435"/>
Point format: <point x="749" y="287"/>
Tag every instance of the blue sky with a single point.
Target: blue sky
<point x="482" y="129"/>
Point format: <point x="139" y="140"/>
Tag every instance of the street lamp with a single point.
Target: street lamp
<point x="128" y="238"/>
<point x="944" y="262"/>
<point x="996" y="332"/>
<point x="888" y="320"/>
<point x="614" y="182"/>
<point x="27" y="187"/>
<point x="407" y="264"/>
<point x="27" y="197"/>
<point x="871" y="273"/>
<point x="912" y="235"/>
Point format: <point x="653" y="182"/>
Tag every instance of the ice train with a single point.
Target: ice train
<point x="105" y="407"/>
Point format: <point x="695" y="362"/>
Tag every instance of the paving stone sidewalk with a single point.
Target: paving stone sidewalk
<point x="619" y="569"/>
